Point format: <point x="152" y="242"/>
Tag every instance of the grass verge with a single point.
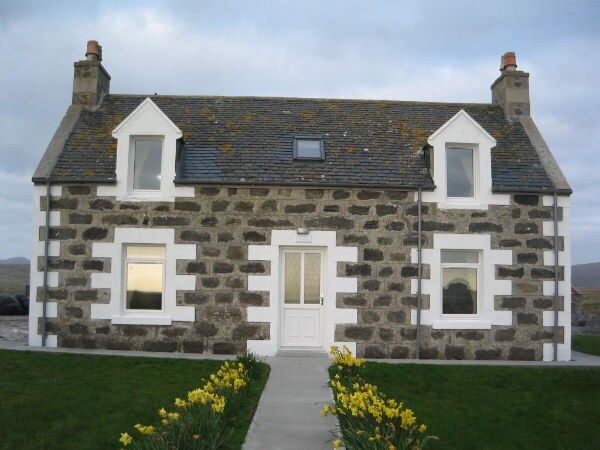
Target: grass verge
<point x="586" y="344"/>
<point x="477" y="407"/>
<point x="65" y="401"/>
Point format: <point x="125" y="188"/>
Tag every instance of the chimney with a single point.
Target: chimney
<point x="91" y="82"/>
<point x="511" y="89"/>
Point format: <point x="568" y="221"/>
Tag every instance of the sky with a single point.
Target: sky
<point x="396" y="50"/>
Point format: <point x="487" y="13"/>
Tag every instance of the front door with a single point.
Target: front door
<point x="302" y="297"/>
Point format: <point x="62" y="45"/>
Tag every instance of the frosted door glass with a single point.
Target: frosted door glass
<point x="312" y="278"/>
<point x="292" y="277"/>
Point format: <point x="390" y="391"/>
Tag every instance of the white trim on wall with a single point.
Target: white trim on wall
<point x="115" y="310"/>
<point x="271" y="284"/>
<point x="36" y="276"/>
<point x="463" y="130"/>
<point x="146" y="120"/>
<point x="487" y="315"/>
<point x="564" y="287"/>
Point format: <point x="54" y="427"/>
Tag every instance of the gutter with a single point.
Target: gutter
<point x="419" y="273"/>
<point x="46" y="260"/>
<point x="555" y="223"/>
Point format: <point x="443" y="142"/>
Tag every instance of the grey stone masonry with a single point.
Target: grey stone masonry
<point x="224" y="221"/>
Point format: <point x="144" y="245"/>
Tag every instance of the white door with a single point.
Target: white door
<point x="302" y="298"/>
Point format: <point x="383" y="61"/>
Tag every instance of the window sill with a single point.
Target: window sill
<point x="455" y="203"/>
<point x="461" y="324"/>
<point x="139" y="319"/>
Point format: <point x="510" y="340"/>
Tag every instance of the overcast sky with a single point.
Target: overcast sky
<point x="400" y="50"/>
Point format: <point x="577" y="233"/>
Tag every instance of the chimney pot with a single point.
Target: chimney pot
<point x="93" y="51"/>
<point x="508" y="61"/>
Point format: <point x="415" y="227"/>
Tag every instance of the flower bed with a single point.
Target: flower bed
<point x="202" y="420"/>
<point x="366" y="418"/>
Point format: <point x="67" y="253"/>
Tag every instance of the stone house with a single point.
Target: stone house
<point x="216" y="224"/>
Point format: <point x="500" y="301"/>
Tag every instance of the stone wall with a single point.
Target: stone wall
<point x="223" y="221"/>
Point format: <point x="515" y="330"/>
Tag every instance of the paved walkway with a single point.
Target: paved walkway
<point x="288" y="415"/>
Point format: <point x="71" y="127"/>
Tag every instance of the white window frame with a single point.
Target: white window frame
<point x="480" y="287"/>
<point x="146" y="121"/>
<point x="461" y="131"/>
<point x="131" y="166"/>
<point x="476" y="183"/>
<point x="115" y="310"/>
<point x="489" y="288"/>
<point x="125" y="277"/>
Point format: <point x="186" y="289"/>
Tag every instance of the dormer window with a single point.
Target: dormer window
<point x="460" y="172"/>
<point x="309" y="148"/>
<point x="147" y="162"/>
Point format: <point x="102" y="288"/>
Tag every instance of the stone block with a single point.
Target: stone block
<point x="93" y="264"/>
<point x="488" y="354"/>
<point x="224" y="297"/>
<point x="360" y="239"/>
<point x="212" y="252"/>
<point x="521" y="354"/>
<point x="311" y="194"/>
<point x="368" y="316"/>
<point x="251" y="298"/>
<point x="74" y="312"/>
<point x="368" y="195"/>
<point x="159" y="346"/>
<point x="513" y="302"/>
<point x="210" y="282"/>
<point x="527" y="318"/>
<point x="101" y="204"/>
<point x="90" y="295"/>
<point x="80" y="219"/>
<point x="206" y="329"/>
<point x="209" y="222"/>
<point x="372" y="254"/>
<point x="371" y="225"/>
<point x="360" y="333"/>
<point x="209" y="191"/>
<point x="543" y="303"/>
<point x="362" y="270"/>
<point x="246" y="331"/>
<point x="539" y="243"/>
<point x="385" y="272"/>
<point x="340" y="195"/>
<point x="527" y="258"/>
<point x="357" y="210"/>
<point x="354" y="300"/>
<point x="120" y="219"/>
<point x="79" y="190"/>
<point x="386" y="334"/>
<point x="509" y="243"/>
<point x="408" y="334"/>
<point x="95" y="234"/>
<point x="134" y="330"/>
<point x="414" y="210"/>
<point x="428" y="353"/>
<point x="195" y="298"/>
<point x="505" y="334"/>
<point x="77" y="249"/>
<point x="385" y="210"/>
<point x="396" y="317"/>
<point x="304" y="208"/>
<point x="193" y="347"/>
<point x="224" y="348"/>
<point x="428" y="225"/>
<point x="222" y="267"/>
<point x="526" y="228"/>
<point x="259" y="192"/>
<point x="64" y="203"/>
<point x="454" y="352"/>
<point x="485" y="227"/>
<point x="400" y="353"/>
<point x="375" y="352"/>
<point x="540" y="214"/>
<point x="331" y="208"/>
<point x="470" y="335"/>
<point x="254" y="236"/>
<point x="507" y="272"/>
<point x="196" y="267"/>
<point x="382" y="301"/>
<point x="243" y="206"/>
<point x="252" y="267"/>
<point x="170" y="221"/>
<point x="195" y="236"/>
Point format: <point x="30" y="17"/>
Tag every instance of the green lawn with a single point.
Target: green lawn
<point x="586" y="344"/>
<point x="477" y="407"/>
<point x="66" y="401"/>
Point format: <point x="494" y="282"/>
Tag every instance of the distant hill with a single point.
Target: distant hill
<point x="18" y="261"/>
<point x="586" y="276"/>
<point x="13" y="278"/>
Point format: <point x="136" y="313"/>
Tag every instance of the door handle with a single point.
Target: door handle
<point x="321" y="300"/>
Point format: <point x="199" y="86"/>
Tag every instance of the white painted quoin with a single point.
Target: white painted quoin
<point x="274" y="314"/>
<point x="36" y="276"/>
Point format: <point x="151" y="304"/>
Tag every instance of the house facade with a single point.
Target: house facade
<point x="216" y="224"/>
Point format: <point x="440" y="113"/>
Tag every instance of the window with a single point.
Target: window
<point x="144" y="277"/>
<point x="309" y="148"/>
<point x="460" y="172"/>
<point x="147" y="158"/>
<point x="460" y="270"/>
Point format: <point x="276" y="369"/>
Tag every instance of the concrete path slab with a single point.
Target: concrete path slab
<point x="288" y="415"/>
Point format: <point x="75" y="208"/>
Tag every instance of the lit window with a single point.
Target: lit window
<point x="311" y="148"/>
<point x="460" y="172"/>
<point x="460" y="270"/>
<point x="147" y="164"/>
<point x="144" y="277"/>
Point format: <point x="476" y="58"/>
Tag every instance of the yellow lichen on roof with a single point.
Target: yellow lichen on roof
<point x="225" y="148"/>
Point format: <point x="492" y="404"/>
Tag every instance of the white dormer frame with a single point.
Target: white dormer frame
<point x="464" y="132"/>
<point x="146" y="121"/>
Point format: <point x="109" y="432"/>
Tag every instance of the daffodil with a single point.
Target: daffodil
<point x="125" y="439"/>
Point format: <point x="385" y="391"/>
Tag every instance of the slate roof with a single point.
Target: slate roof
<point x="249" y="140"/>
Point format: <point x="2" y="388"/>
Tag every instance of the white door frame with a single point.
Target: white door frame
<point x="281" y="300"/>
